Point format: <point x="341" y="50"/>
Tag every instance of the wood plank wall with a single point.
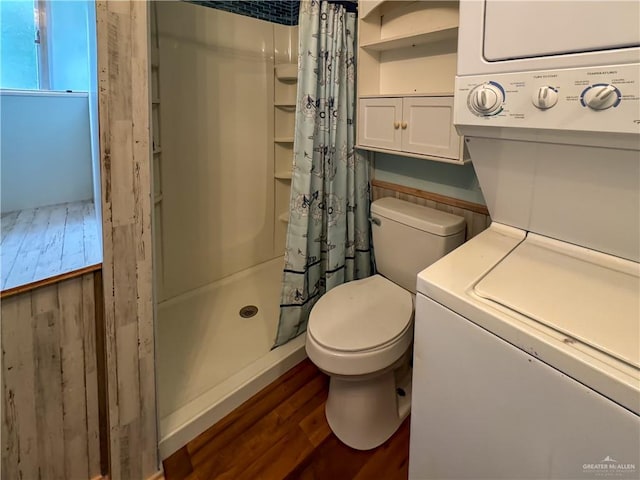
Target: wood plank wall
<point x="476" y="216"/>
<point x="124" y="105"/>
<point x="50" y="411"/>
<point x="51" y="427"/>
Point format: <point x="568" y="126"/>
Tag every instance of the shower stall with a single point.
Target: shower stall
<point x="223" y="106"/>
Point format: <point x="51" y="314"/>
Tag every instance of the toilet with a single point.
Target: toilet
<point x="360" y="333"/>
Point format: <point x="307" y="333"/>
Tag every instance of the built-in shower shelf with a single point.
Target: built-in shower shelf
<point x="157" y="198"/>
<point x="284" y="217"/>
<point x="283" y="175"/>
<point x="155" y="101"/>
<point x="157" y="151"/>
<point x="287" y="72"/>
<point x="285" y="106"/>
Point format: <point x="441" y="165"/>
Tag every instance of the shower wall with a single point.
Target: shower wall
<point x="216" y="119"/>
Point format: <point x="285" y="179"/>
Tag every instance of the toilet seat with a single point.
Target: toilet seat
<point x="360" y="327"/>
<point x="361" y="315"/>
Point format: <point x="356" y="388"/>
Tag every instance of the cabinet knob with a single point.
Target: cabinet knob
<point x="404" y="125"/>
<point x="396" y="125"/>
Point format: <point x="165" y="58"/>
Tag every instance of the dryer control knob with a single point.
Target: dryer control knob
<point x="486" y="99"/>
<point x="601" y="96"/>
<point x="545" y="97"/>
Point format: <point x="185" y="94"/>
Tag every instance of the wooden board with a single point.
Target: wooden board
<point x="125" y="151"/>
<point x="50" y="416"/>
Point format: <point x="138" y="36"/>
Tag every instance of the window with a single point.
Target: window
<point x="42" y="46"/>
<point x="49" y="148"/>
<point x="19" y="52"/>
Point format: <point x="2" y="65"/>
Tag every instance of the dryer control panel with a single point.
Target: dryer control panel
<point x="605" y="99"/>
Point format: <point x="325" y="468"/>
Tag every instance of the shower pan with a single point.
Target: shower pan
<point x="222" y="130"/>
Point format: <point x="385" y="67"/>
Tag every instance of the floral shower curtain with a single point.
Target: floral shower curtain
<point x="328" y="237"/>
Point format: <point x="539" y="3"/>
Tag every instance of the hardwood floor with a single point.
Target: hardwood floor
<point x="47" y="241"/>
<point x="282" y="433"/>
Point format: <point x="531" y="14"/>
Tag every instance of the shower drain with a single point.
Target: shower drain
<point x="248" y="311"/>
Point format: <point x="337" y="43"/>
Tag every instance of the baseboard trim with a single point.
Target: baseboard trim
<point x="159" y="475"/>
<point x="27" y="287"/>
<point x="436" y="197"/>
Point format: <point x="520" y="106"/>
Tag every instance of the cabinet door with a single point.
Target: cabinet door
<point x="427" y="127"/>
<point x="379" y="123"/>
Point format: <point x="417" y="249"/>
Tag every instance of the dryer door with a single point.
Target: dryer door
<point x="538" y="29"/>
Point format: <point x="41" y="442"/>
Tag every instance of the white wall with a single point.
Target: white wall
<point x="216" y="104"/>
<point x="457" y="181"/>
<point x="45" y="149"/>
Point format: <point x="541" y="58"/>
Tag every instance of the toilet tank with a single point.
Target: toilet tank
<point x="408" y="237"/>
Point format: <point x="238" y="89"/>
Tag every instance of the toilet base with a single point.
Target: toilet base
<point x="364" y="413"/>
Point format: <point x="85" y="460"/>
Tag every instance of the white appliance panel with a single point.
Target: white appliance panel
<point x="583" y="195"/>
<point x="562" y="23"/>
<point x="539" y="28"/>
<point x="571" y="113"/>
<point x="516" y="374"/>
<point x="452" y="280"/>
<point x="591" y="297"/>
<point x="487" y="410"/>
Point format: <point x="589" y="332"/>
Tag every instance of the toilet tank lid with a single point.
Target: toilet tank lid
<point x="418" y="216"/>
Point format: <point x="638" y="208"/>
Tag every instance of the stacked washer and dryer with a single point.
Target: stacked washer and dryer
<point x="527" y="337"/>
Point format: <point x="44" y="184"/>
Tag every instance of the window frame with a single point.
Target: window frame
<point x="42" y="42"/>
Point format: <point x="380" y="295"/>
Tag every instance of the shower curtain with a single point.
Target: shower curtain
<point x="328" y="237"/>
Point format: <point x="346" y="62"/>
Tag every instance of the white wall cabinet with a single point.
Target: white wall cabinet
<point x="417" y="126"/>
<point x="379" y="123"/>
<point x="406" y="75"/>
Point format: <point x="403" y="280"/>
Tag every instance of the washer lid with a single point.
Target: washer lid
<point x="589" y="296"/>
<point x="361" y="315"/>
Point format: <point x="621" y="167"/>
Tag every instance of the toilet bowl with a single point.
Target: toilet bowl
<point x="360" y="333"/>
<point x="360" y="346"/>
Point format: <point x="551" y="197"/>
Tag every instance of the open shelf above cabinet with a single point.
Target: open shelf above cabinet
<point x="448" y="93"/>
<point x="411" y="40"/>
<point x="407" y="47"/>
<point x="406" y="75"/>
